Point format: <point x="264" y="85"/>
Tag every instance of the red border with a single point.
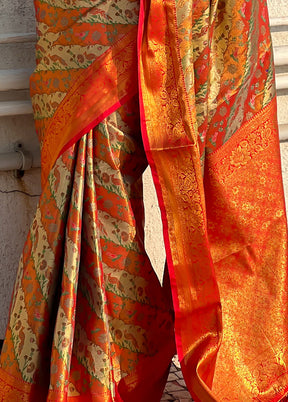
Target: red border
<point x="158" y="190"/>
<point x="95" y="122"/>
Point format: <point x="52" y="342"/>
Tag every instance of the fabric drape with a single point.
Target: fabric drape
<point x="188" y="87"/>
<point x="89" y="308"/>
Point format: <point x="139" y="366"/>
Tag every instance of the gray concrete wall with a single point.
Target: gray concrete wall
<point x="17" y="208"/>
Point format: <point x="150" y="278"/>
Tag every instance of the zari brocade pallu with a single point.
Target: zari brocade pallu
<point x="193" y="81"/>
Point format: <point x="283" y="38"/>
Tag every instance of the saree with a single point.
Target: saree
<point x="187" y="87"/>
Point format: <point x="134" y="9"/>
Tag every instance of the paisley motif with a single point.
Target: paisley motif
<point x="187" y="85"/>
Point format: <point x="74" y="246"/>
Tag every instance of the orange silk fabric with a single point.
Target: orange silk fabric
<point x="89" y="320"/>
<point x="226" y="232"/>
<point x="86" y="67"/>
<point x="86" y="105"/>
<point x="205" y="80"/>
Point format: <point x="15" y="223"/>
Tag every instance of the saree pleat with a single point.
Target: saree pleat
<point x="189" y="87"/>
<point x="87" y="300"/>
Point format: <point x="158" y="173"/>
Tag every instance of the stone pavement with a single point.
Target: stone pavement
<point x="175" y="390"/>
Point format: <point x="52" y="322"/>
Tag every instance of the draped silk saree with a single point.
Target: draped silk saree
<point x="189" y="86"/>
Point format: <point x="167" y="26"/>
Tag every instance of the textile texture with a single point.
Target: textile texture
<point x="187" y="87"/>
<point x="87" y="300"/>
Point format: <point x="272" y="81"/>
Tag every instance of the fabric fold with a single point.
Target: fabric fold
<point x="188" y="88"/>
